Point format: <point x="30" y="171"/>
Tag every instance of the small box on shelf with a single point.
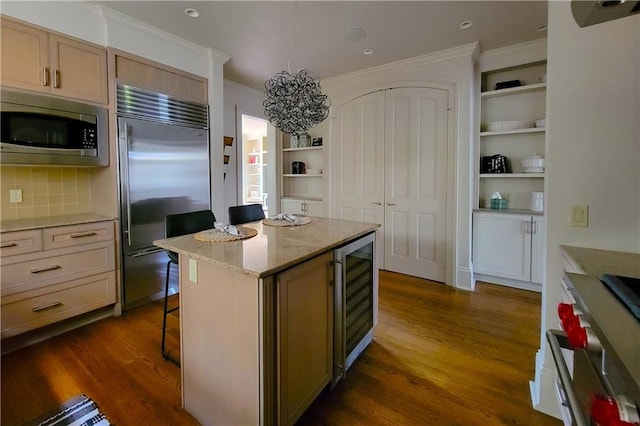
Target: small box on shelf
<point x="494" y="164"/>
<point x="499" y="204"/>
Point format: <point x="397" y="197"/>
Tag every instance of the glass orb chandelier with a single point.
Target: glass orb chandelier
<point x="294" y="102"/>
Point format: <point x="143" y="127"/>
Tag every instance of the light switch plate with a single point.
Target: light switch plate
<point x="193" y="271"/>
<point x="15" y="195"/>
<point x="579" y="215"/>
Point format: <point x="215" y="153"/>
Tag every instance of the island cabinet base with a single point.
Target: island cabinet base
<point x="225" y="378"/>
<point x="305" y="335"/>
<point x="254" y="351"/>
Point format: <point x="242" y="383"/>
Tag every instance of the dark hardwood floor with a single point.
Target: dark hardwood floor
<point x="439" y="357"/>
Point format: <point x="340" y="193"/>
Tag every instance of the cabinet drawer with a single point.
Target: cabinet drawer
<point x="19" y="242"/>
<point x="65" y="236"/>
<point x="46" y="270"/>
<point x="86" y="295"/>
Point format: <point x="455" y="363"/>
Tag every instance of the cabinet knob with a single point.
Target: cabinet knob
<point x="391" y="204"/>
<point x="377" y="203"/>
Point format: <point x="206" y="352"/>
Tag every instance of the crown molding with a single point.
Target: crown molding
<point x="217" y="56"/>
<point x="78" y="19"/>
<point x="114" y="18"/>
<point x="467" y="50"/>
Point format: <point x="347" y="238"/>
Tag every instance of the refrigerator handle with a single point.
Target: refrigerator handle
<point x="124" y="146"/>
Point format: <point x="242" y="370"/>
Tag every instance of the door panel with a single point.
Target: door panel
<point x="359" y="135"/>
<point x="24" y="55"/>
<point x="415" y="184"/>
<point x="427" y="247"/>
<point x="391" y="158"/>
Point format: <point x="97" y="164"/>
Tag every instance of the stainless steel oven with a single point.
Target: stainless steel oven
<point x="356" y="289"/>
<point x="597" y="355"/>
<point x="40" y="129"/>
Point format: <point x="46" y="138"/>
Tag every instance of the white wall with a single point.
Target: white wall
<point x="452" y="69"/>
<point x="593" y="152"/>
<point x="245" y="100"/>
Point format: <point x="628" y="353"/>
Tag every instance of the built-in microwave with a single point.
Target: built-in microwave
<point x="39" y="129"/>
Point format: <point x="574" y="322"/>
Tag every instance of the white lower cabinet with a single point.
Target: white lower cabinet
<point x="509" y="246"/>
<point x="303" y="207"/>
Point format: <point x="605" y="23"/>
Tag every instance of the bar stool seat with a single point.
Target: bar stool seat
<point x="245" y="213"/>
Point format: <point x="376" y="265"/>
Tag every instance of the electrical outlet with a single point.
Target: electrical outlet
<point x="193" y="271"/>
<point x="15" y="195"/>
<point x="579" y="215"/>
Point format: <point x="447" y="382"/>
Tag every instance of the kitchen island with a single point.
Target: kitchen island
<point x="256" y="320"/>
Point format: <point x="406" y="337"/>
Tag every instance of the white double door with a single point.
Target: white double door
<point x="390" y="162"/>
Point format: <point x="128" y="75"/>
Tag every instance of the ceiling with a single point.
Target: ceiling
<point x="265" y="37"/>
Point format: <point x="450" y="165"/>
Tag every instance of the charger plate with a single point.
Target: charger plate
<point x="302" y="220"/>
<point x="217" y="236"/>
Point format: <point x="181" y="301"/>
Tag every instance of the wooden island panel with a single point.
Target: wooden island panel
<point x="256" y="320"/>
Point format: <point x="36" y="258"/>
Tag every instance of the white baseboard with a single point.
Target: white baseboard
<point x="464" y="279"/>
<point x="523" y="285"/>
<point x="543" y="390"/>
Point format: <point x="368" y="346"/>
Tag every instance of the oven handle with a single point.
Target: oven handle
<point x="558" y="340"/>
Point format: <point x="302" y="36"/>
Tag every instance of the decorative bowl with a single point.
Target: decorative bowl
<point x="533" y="164"/>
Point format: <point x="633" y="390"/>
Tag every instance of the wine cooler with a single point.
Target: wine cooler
<point x="356" y="291"/>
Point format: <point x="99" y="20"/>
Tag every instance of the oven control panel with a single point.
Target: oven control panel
<point x="601" y="387"/>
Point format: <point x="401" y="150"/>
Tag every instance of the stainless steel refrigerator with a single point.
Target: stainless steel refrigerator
<point x="164" y="169"/>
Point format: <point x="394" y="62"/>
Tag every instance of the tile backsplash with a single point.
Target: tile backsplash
<point x="46" y="191"/>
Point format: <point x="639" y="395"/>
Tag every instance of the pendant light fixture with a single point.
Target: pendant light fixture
<point x="294" y="102"/>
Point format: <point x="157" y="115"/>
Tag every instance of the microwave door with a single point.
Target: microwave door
<point x="164" y="170"/>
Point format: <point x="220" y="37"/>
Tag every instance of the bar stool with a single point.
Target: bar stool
<point x="246" y="213"/>
<point x="174" y="226"/>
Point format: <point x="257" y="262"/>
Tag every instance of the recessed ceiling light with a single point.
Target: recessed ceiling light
<point x="465" y="25"/>
<point x="368" y="51"/>
<point x="191" y="12"/>
<point x="355" y="34"/>
<point x="541" y="28"/>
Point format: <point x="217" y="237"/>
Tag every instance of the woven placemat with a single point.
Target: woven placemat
<point x="302" y="220"/>
<point x="217" y="236"/>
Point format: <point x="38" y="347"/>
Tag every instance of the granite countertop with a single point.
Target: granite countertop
<point x="50" y="221"/>
<point x="596" y="262"/>
<point x="274" y="248"/>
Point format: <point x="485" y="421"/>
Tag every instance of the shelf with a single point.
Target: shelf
<point x="514" y="90"/>
<point x="511" y="175"/>
<point x="526" y="212"/>
<point x="306" y="148"/>
<point x="514" y="132"/>
<point x="301" y="175"/>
